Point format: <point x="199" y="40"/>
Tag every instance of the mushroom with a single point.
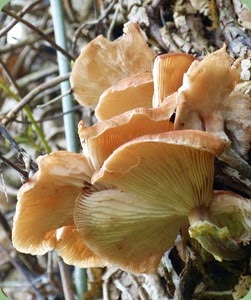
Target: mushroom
<point x="205" y="90"/>
<point x="203" y="101"/>
<point x="129" y="93"/>
<point x="46" y="203"/>
<point x="102" y="63"/>
<point x="161" y="180"/>
<point x="168" y="71"/>
<point x="227" y="227"/>
<point x="234" y="211"/>
<point x="71" y="248"/>
<point x="100" y="140"/>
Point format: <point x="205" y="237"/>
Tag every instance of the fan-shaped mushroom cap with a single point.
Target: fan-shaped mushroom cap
<point x="46" y="201"/>
<point x="205" y="89"/>
<point x="162" y="178"/>
<point x="127" y="94"/>
<point x="153" y="166"/>
<point x="71" y="247"/>
<point x="126" y="230"/>
<point x="168" y="71"/>
<point x="103" y="63"/>
<point x="100" y="140"/>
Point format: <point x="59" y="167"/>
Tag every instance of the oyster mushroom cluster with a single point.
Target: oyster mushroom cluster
<point x="147" y="167"/>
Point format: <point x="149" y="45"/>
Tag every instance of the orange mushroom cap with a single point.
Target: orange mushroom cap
<point x="102" y="63"/>
<point x="127" y="94"/>
<point x="100" y="140"/>
<point x="73" y="250"/>
<point x="168" y="71"/>
<point x="46" y="201"/>
<point x="204" y="92"/>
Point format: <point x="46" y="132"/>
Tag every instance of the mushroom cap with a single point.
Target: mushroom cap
<point x="100" y="140"/>
<point x="127" y="94"/>
<point x="153" y="166"/>
<point x="126" y="230"/>
<point x="168" y="71"/>
<point x="72" y="249"/>
<point x="102" y="63"/>
<point x="205" y="89"/>
<point x="46" y="201"/>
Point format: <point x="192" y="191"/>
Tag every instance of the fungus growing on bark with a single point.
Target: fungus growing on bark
<point x="225" y="227"/>
<point x="133" y="227"/>
<point x="203" y="96"/>
<point x="102" y="63"/>
<point x="139" y="182"/>
<point x="46" y="203"/>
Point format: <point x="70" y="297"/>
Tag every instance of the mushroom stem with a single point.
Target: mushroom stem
<point x="214" y="239"/>
<point x="198" y="214"/>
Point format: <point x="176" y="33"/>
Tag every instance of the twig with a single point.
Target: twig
<point x="28" y="41"/>
<point x="22" y="172"/>
<point x="5" y="225"/>
<point x="7" y="136"/>
<point x="41" y="73"/>
<point x="123" y="289"/>
<point x="66" y="280"/>
<point x="3" y="184"/>
<point x="12" y="23"/>
<point x="21" y="152"/>
<point x="20" y="266"/>
<point x="142" y="292"/>
<point x="40" y="33"/>
<point x="91" y="23"/>
<point x="31" y="95"/>
<point x="115" y="15"/>
<point x="55" y="99"/>
<point x="29" y="115"/>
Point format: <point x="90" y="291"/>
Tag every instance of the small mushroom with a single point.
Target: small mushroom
<point x="168" y="71"/>
<point x="205" y="90"/>
<point x="100" y="140"/>
<point x="127" y="94"/>
<point x="224" y="227"/>
<point x="231" y="210"/>
<point x="102" y="63"/>
<point x="132" y="227"/>
<point x="45" y="205"/>
<point x="203" y="101"/>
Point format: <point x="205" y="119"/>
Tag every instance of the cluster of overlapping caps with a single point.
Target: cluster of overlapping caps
<point x="147" y="168"/>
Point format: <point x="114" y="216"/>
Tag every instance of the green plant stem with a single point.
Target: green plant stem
<point x="67" y="102"/>
<point x="30" y="117"/>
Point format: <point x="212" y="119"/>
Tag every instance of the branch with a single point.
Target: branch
<point x="40" y="33"/>
<point x="31" y="95"/>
